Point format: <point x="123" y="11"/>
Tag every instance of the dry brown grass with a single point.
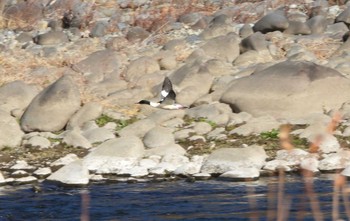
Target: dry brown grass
<point x="19" y="64"/>
<point x="160" y="13"/>
<point x="323" y="49"/>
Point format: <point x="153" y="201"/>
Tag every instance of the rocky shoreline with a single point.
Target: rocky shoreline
<point x="266" y="85"/>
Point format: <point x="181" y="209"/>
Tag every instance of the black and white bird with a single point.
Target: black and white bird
<point x="167" y="98"/>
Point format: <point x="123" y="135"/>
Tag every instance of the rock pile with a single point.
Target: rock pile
<point x="72" y="72"/>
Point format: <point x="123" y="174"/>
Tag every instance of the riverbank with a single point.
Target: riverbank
<point x="265" y="86"/>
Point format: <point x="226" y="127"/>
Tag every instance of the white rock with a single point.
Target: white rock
<point x="74" y="173"/>
<point x="160" y="169"/>
<point x="346" y="132"/>
<point x="188" y="168"/>
<point x="166" y="167"/>
<point x="183" y="133"/>
<point x="148" y="163"/>
<point x="192" y="167"/>
<point x="158" y="136"/>
<point x="89" y="111"/>
<point x="48" y="135"/>
<point x="171" y="149"/>
<point x="175" y="159"/>
<point x="197" y="138"/>
<point x="38" y="141"/>
<point x="69" y="158"/>
<point x="293" y="157"/>
<point x="169" y="163"/>
<point x="25" y="180"/>
<point x="217" y="134"/>
<point x="257" y="126"/>
<point x="202" y="128"/>
<point x="42" y="172"/>
<point x="173" y="123"/>
<point x="241" y="173"/>
<point x="76" y="139"/>
<point x="89" y="125"/>
<point x="313" y="131"/>
<point x="98" y="135"/>
<point x="161" y="116"/>
<point x="136" y="171"/>
<point x="310" y="164"/>
<point x="11" y="133"/>
<point x="27" y="136"/>
<point x="200" y="176"/>
<point x="97" y="177"/>
<point x="227" y="159"/>
<point x="275" y="165"/>
<point x="333" y="10"/>
<point x="317" y="121"/>
<point x="111" y="126"/>
<point x="329" y="144"/>
<point x="22" y="165"/>
<point x="10" y="180"/>
<point x="335" y="161"/>
<point x="2" y="179"/>
<point x="345" y="172"/>
<point x="239" y="118"/>
<point x="19" y="173"/>
<point x="115" y="154"/>
<point x="139" y="128"/>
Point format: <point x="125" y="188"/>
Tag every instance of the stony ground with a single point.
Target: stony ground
<point x="72" y="71"/>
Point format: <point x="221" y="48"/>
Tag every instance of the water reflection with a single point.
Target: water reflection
<point x="178" y="200"/>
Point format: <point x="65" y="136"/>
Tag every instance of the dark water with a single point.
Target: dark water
<point x="177" y="200"/>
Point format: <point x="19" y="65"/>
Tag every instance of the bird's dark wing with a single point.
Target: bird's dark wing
<point x="167" y="92"/>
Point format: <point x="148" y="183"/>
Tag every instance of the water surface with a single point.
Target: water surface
<point x="177" y="200"/>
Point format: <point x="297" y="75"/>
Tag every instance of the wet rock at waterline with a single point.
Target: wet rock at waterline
<point x="115" y="154"/>
<point x="75" y="173"/>
<point x="227" y="159"/>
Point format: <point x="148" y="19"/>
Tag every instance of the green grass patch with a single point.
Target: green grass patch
<point x="188" y="120"/>
<point x="272" y="134"/>
<point x="121" y="123"/>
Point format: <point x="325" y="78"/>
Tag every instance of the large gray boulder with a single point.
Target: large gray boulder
<point x="141" y="66"/>
<point x="51" y="109"/>
<point x="317" y="24"/>
<point x="344" y="16"/>
<point x="191" y="82"/>
<point x="99" y="65"/>
<point x="274" y="21"/>
<point x="10" y="131"/>
<point x="288" y="89"/>
<point x="223" y="47"/>
<point x="255" y="42"/>
<point x="51" y="38"/>
<point x="16" y="95"/>
<point x="90" y="111"/>
<point x="158" y="136"/>
<point x="234" y="159"/>
<point x="139" y="128"/>
<point x="298" y="28"/>
<point x="217" y="113"/>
